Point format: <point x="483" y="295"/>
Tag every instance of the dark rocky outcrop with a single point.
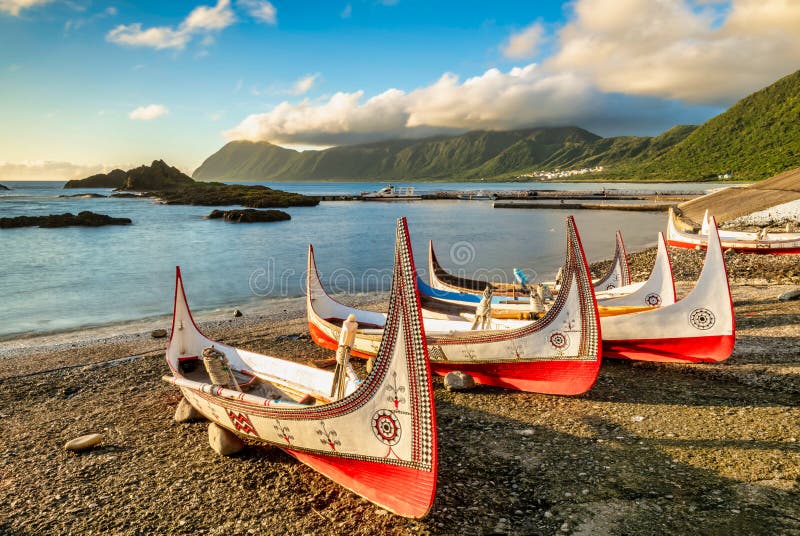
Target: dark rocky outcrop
<point x="84" y="219"/>
<point x="125" y="195"/>
<point x="173" y="187"/>
<point x="249" y="215"/>
<point x="4" y="187"/>
<point x="85" y="196"/>
<point x="157" y="176"/>
<point x="216" y="193"/>
<point x="112" y="179"/>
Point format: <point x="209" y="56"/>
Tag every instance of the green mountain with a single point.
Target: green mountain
<point x="473" y="155"/>
<point x="756" y="138"/>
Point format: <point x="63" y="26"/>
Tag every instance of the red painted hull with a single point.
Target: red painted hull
<point x="712" y="349"/>
<point x="378" y="482"/>
<point x="546" y="377"/>
<point x="738" y="249"/>
<point x="322" y="340"/>
<point x="563" y="377"/>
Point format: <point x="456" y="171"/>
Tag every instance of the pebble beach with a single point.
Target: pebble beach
<point x="650" y="449"/>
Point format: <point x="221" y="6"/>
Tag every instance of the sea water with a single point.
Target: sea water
<point x="67" y="278"/>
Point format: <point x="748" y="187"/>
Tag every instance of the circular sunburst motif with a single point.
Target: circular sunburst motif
<point x="652" y="299"/>
<point x="386" y="427"/>
<point x="702" y="319"/>
<point x="559" y="340"/>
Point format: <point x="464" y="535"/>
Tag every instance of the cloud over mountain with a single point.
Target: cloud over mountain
<point x="626" y="62"/>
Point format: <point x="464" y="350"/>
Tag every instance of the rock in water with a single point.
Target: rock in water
<point x="790" y="295"/>
<point x="84" y="442"/>
<point x="224" y="442"/>
<point x="158" y="333"/>
<point x="85" y="219"/>
<point x="458" y="381"/>
<point x="4" y="187"/>
<point x="185" y="412"/>
<point x="237" y="313"/>
<point x="249" y="215"/>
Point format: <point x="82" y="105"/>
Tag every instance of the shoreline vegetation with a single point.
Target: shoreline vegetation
<point x="652" y="448"/>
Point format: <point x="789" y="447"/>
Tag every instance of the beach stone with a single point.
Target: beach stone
<point x="224" y="442"/>
<point x="84" y="442"/>
<point x="237" y="313"/>
<point x="185" y="412"/>
<point x="158" y="333"/>
<point x="458" y="381"/>
<point x="790" y="295"/>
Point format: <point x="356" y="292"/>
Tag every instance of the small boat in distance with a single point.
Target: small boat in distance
<point x="392" y="193"/>
<point x="480" y="195"/>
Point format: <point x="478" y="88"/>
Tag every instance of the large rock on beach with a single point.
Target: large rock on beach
<point x="790" y="295"/>
<point x="83" y="219"/>
<point x="185" y="412"/>
<point x="249" y="215"/>
<point x="84" y="442"/>
<point x="458" y="381"/>
<point x="224" y="442"/>
<point x="159" y="333"/>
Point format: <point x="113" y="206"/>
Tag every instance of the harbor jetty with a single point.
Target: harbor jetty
<point x="526" y="198"/>
<point x="641" y="207"/>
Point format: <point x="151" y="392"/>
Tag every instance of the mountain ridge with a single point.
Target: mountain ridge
<point x="755" y="138"/>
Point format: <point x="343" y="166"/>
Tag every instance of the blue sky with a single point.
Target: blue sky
<point x="84" y="84"/>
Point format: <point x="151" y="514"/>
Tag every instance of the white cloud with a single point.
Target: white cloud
<point x="525" y="43"/>
<point x="677" y="49"/>
<point x="619" y="66"/>
<point x="50" y="171"/>
<point x="202" y="19"/>
<point x="13" y="7"/>
<point x="158" y="37"/>
<point x="346" y="12"/>
<point x="304" y="84"/>
<point x="218" y="17"/>
<point x="494" y="100"/>
<point x="261" y="10"/>
<point x="146" y="113"/>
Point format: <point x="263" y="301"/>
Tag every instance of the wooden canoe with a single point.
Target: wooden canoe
<point x="618" y="275"/>
<point x="378" y="441"/>
<point x="557" y="354"/>
<point x="740" y="242"/>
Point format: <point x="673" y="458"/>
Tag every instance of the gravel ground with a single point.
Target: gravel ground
<point x="651" y="449"/>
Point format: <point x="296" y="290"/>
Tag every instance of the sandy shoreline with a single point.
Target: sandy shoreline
<point x="655" y="449"/>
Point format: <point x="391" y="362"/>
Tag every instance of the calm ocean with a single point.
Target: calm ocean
<point x="63" y="279"/>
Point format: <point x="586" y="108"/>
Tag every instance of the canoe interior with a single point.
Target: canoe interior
<point x="193" y="369"/>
